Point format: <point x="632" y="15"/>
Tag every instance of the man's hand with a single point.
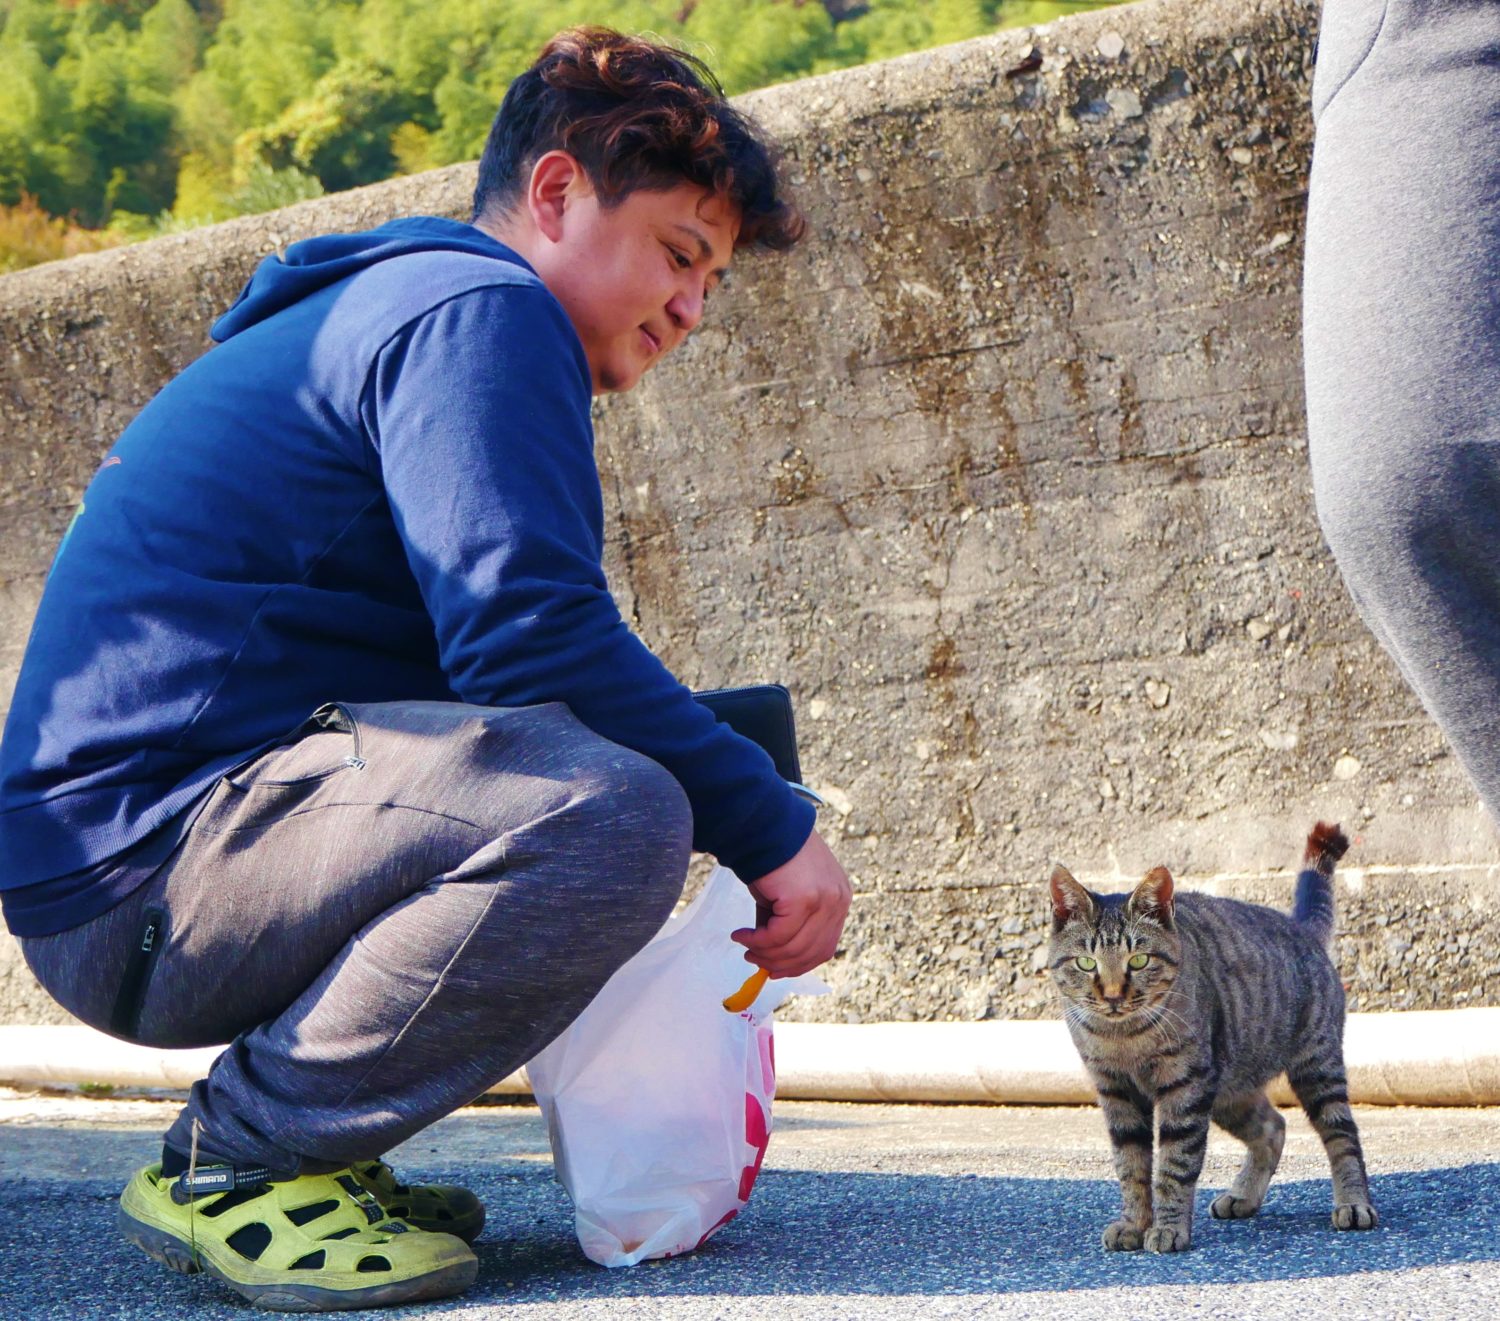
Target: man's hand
<point x="801" y="908"/>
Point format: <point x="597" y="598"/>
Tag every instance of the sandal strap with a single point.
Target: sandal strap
<point x="205" y="1179"/>
<point x="331" y="1214"/>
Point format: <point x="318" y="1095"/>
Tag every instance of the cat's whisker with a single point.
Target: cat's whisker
<point x="1164" y="1013"/>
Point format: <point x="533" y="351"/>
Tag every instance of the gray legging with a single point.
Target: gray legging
<point x="387" y="915"/>
<point x="1402" y="343"/>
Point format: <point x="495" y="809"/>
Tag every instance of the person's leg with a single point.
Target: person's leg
<point x="386" y="921"/>
<point x="1402" y="344"/>
<point x="388" y="918"/>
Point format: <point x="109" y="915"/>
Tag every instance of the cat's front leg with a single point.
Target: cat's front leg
<point x="1127" y="1114"/>
<point x="1182" y="1136"/>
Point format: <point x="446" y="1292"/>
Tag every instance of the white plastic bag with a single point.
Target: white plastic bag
<point x="658" y="1099"/>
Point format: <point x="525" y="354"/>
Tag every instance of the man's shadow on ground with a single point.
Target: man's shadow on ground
<point x="810" y="1233"/>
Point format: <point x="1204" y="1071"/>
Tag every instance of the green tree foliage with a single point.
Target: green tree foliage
<point x="755" y="44"/>
<point x="340" y="133"/>
<point x="154" y="114"/>
<point x="1029" y="13"/>
<point x="35" y="136"/>
<point x="120" y="122"/>
<point x="87" y="122"/>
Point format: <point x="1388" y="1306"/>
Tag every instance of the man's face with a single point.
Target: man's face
<point x="633" y="278"/>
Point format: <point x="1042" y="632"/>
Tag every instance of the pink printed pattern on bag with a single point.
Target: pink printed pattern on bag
<point x="758" y="1111"/>
<point x="758" y="1135"/>
<point x="723" y="1220"/>
<point x="757" y="1125"/>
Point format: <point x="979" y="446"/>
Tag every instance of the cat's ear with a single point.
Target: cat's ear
<point x="1070" y="900"/>
<point x="1153" y="897"/>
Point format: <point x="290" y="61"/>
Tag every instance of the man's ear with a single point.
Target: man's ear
<point x="556" y="179"/>
<point x="1153" y="897"/>
<point x="1069" y="899"/>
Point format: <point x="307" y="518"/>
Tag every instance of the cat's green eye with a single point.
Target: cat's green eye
<point x="1086" y="963"/>
<point x="1138" y="961"/>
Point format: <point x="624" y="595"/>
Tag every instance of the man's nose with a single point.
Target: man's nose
<point x="686" y="307"/>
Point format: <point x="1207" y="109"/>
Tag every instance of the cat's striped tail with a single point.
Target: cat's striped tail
<point x="1314" y="904"/>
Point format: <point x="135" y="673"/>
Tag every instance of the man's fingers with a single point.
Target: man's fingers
<point x="772" y="932"/>
<point x="787" y="947"/>
<point x="781" y="966"/>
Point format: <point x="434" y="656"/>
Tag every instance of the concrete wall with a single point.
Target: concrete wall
<point x="1003" y="473"/>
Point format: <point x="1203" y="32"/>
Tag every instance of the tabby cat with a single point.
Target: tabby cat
<point x="1183" y="1008"/>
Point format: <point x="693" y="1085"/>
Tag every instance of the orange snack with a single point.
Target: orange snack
<point x="743" y="998"/>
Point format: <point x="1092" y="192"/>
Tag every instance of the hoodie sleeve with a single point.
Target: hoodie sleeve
<point x="479" y="413"/>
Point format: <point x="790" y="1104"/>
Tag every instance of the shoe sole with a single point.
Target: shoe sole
<point x="172" y="1252"/>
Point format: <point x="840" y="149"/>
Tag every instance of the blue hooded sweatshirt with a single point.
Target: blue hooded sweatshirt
<point x="380" y="486"/>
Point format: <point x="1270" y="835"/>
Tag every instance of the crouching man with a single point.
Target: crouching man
<point x="330" y="741"/>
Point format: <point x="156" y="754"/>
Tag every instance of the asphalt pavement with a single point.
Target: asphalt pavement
<point x="861" y="1211"/>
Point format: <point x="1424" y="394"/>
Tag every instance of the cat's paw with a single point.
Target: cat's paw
<point x="1122" y="1236"/>
<point x="1355" y="1215"/>
<point x="1227" y="1206"/>
<point x="1167" y="1238"/>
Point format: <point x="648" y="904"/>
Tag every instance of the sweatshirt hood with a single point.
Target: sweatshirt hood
<point x="315" y="263"/>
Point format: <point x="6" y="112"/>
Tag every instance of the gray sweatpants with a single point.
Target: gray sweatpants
<point x="384" y="916"/>
<point x="1402" y="344"/>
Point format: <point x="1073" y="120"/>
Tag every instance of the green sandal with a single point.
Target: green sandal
<point x="318" y="1243"/>
<point x="437" y="1207"/>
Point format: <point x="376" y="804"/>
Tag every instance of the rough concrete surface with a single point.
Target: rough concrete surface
<point x="1002" y="473"/>
<point x="861" y="1211"/>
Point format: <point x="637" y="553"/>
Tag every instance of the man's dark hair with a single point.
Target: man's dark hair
<point x="635" y="115"/>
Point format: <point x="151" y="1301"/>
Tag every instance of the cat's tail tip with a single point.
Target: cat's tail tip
<point x="1326" y="844"/>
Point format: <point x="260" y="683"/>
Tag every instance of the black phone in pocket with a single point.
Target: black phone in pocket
<point x="762" y="713"/>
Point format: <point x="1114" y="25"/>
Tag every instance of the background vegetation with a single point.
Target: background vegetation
<point x="127" y="118"/>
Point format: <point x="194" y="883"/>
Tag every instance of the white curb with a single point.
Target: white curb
<point x="1429" y="1057"/>
<point x="1426" y="1057"/>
